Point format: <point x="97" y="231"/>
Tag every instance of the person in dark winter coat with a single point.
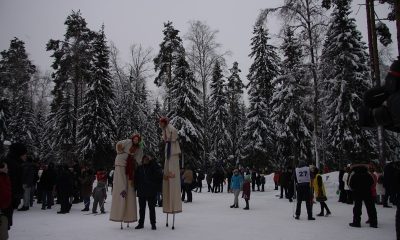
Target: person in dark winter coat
<point x="262" y="176"/>
<point x="99" y="196"/>
<point x="199" y="181"/>
<point x="64" y="188"/>
<point x="28" y="181"/>
<point x="16" y="155"/>
<point x="148" y="177"/>
<point x="5" y="200"/>
<point x="48" y="182"/>
<point x="290" y="185"/>
<point x="302" y="178"/>
<point x="87" y="179"/>
<point x="388" y="182"/>
<point x="258" y="181"/>
<point x="209" y="180"/>
<point x="342" y="192"/>
<point x="246" y="191"/>
<point x="361" y="183"/>
<point x="283" y="182"/>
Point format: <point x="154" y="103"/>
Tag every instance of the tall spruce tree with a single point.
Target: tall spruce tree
<point x="220" y="141"/>
<point x="16" y="70"/>
<point x="289" y="115"/>
<point x="258" y="132"/>
<point x="234" y="92"/>
<point x="97" y="124"/>
<point x="72" y="71"/>
<point x="166" y="60"/>
<point x="345" y="76"/>
<point x="186" y="113"/>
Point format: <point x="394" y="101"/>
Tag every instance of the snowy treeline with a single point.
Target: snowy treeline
<point x="303" y="93"/>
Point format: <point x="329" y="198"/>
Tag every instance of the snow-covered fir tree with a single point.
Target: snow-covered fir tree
<point x="167" y="59"/>
<point x="345" y="77"/>
<point x="292" y="136"/>
<point x="16" y="72"/>
<point x="234" y="92"/>
<point x="185" y="116"/>
<point x="258" y="133"/>
<point x="220" y="141"/>
<point x="72" y="70"/>
<point x="97" y="124"/>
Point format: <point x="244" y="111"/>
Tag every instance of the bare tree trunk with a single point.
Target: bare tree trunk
<point x="315" y="79"/>
<point x="375" y="72"/>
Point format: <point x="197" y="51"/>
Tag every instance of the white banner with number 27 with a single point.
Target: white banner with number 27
<point x="303" y="175"/>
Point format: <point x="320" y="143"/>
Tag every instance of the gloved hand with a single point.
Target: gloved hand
<point x="123" y="194"/>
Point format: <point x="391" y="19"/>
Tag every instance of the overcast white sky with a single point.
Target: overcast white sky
<point x="133" y="21"/>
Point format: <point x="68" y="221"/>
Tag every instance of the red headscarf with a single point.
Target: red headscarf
<point x="164" y="120"/>
<point x="131" y="161"/>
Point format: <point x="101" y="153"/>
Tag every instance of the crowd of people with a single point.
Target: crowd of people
<point x="136" y="175"/>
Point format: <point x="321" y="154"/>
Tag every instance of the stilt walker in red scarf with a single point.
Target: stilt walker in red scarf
<point x="129" y="155"/>
<point x="172" y="202"/>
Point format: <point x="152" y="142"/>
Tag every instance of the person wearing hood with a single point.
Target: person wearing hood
<point x="303" y="179"/>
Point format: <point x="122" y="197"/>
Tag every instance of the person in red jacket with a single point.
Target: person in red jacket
<point x="5" y="197"/>
<point x="246" y="191"/>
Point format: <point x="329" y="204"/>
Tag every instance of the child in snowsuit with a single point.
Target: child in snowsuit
<point x="246" y="191"/>
<point x="99" y="195"/>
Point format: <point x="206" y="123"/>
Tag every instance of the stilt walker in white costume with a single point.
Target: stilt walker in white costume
<point x="123" y="206"/>
<point x="172" y="202"/>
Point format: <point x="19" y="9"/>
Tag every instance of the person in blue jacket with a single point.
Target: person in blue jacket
<point x="236" y="187"/>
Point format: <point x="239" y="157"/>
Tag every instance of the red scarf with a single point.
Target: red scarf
<point x="131" y="162"/>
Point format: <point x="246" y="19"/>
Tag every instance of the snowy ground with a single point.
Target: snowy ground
<point x="209" y="217"/>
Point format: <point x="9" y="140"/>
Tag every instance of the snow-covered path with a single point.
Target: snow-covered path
<point x="209" y="217"/>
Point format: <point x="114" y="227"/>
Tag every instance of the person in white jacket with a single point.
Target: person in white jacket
<point x="346" y="181"/>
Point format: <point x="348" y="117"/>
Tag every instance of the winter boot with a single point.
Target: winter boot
<point x="356" y="225"/>
<point x="23" y="209"/>
<point x="140" y="226"/>
<point x="247" y="205"/>
<point x="328" y="213"/>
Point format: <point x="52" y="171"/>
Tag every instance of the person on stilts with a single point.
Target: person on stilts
<point x="123" y="206"/>
<point x="172" y="202"/>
